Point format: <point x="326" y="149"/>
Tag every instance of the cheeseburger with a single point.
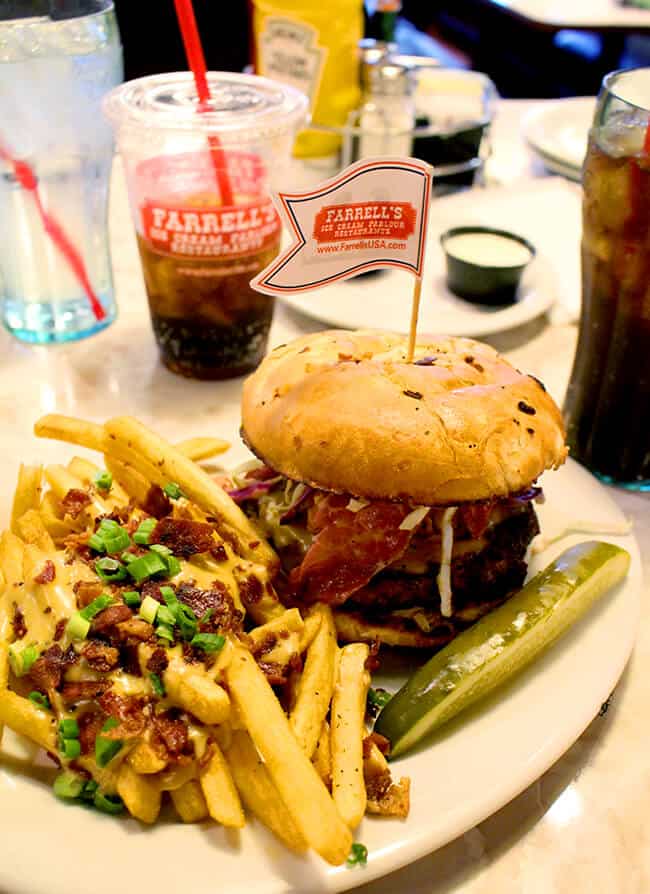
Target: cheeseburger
<point x="402" y="494"/>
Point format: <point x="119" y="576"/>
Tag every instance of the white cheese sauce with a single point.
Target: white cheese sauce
<point x="488" y="250"/>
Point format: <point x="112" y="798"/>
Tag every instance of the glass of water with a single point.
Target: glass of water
<point x="57" y="60"/>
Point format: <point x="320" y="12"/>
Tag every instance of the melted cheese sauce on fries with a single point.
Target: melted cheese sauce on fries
<point x="143" y="646"/>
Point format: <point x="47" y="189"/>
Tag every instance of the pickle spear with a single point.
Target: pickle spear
<point x="501" y="643"/>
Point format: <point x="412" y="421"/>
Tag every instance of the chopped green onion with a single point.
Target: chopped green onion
<point x="165" y="616"/>
<point x="161" y="549"/>
<point x="358" y="855"/>
<point x="165" y="632"/>
<point x="77" y="627"/>
<point x="68" y="786"/>
<point x="70" y="748"/>
<point x="172" y="490"/>
<point x="110" y="570"/>
<point x="89" y="791"/>
<point x="128" y="557"/>
<point x="143" y="535"/>
<point x="21" y="660"/>
<point x="377" y="698"/>
<point x="209" y="642"/>
<point x="149" y="609"/>
<point x="96" y="606"/>
<point x="186" y="620"/>
<point x="169" y="596"/>
<point x="107" y="526"/>
<point x="132" y="598"/>
<point x="146" y="566"/>
<point x="173" y="566"/>
<point x="106" y="749"/>
<point x="69" y="728"/>
<point x="95" y="542"/>
<point x="103" y="480"/>
<point x="37" y="698"/>
<point x="207" y="614"/>
<point x="112" y="804"/>
<point x="157" y="685"/>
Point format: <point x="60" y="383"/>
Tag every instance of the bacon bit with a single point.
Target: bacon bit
<point x="372" y="661"/>
<point x="266" y="645"/>
<point x="18" y="623"/>
<point x="129" y="660"/>
<point x="128" y="709"/>
<point x="74" y="502"/>
<point x="224" y="614"/>
<point x="274" y="672"/>
<point x="416" y="395"/>
<point x="47" y="671"/>
<point x="250" y="590"/>
<point x="475" y="517"/>
<point x="151" y="588"/>
<point x="83" y="690"/>
<point x="261" y="473"/>
<point x="59" y="630"/>
<point x="184" y="537"/>
<point x="99" y="656"/>
<point x="47" y="574"/>
<point x="382" y="743"/>
<point x="135" y="629"/>
<point x="90" y="723"/>
<point x="172" y="732"/>
<point x="219" y="553"/>
<point x="158" y="661"/>
<point x="86" y="591"/>
<point x="111" y="616"/>
<point x="157" y="503"/>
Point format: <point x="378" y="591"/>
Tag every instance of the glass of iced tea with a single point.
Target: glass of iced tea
<point x="608" y="400"/>
<point x="199" y="188"/>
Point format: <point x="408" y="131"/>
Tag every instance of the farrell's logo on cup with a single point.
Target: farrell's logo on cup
<point x="213" y="231"/>
<point x="359" y="219"/>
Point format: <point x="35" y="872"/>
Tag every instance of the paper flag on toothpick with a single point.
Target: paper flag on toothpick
<point x="372" y="214"/>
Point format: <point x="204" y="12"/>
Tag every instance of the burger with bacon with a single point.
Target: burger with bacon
<point x="402" y="494"/>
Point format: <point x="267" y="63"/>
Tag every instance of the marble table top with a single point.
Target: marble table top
<point x="583" y="826"/>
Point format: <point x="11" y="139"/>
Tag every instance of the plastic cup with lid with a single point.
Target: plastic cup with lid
<point x="199" y="183"/>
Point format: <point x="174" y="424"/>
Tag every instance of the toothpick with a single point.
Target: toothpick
<point x="415" y="309"/>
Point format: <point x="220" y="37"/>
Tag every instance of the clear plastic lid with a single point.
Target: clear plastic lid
<point x="241" y="107"/>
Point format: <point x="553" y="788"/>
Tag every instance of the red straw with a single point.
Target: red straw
<point x="196" y="61"/>
<point x="27" y="179"/>
<point x="646" y="141"/>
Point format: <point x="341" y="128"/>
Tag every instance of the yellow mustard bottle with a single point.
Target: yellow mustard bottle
<point x="312" y="45"/>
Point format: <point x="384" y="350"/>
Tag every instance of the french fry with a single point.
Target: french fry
<point x="52" y="518"/>
<point x="131" y="441"/>
<point x="132" y="482"/>
<point x="141" y="794"/>
<point x="145" y="760"/>
<point x="316" y="685"/>
<point x="68" y="428"/>
<point x="87" y="472"/>
<point x="322" y="758"/>
<point x="197" y="449"/>
<point x="61" y="481"/>
<point x="309" y="631"/>
<point x="219" y="790"/>
<point x="55" y="595"/>
<point x="258" y="792"/>
<point x="28" y="493"/>
<point x="300" y="787"/>
<point x="32" y="530"/>
<point x="12" y="551"/>
<point x="189" y="687"/>
<point x="347" y="714"/>
<point x="189" y="802"/>
<point x="28" y="720"/>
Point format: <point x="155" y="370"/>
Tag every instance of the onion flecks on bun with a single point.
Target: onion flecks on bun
<point x="400" y="493"/>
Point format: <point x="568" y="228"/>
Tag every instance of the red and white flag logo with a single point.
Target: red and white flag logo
<point x="373" y="214"/>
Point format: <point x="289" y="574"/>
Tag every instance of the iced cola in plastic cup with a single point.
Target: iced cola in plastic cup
<point x="204" y="218"/>
<point x="608" y="400"/>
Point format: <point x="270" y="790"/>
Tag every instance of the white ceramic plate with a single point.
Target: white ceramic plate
<point x="558" y="132"/>
<point x="383" y="300"/>
<point x="469" y="771"/>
